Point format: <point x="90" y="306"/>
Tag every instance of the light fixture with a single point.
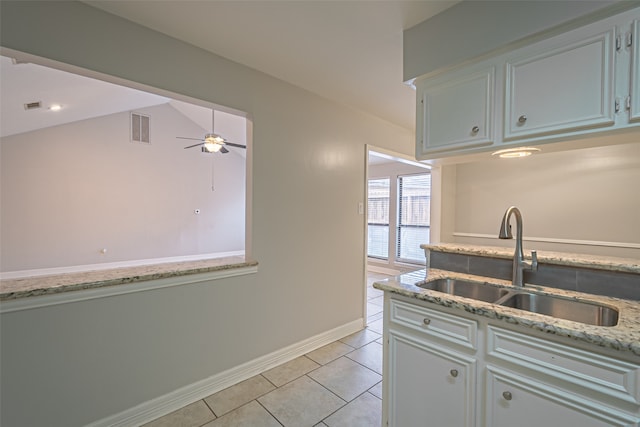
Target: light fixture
<point x="213" y="143"/>
<point x="512" y="153"/>
<point x="55" y="107"/>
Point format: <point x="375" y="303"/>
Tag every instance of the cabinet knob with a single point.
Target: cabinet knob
<point x="426" y="321"/>
<point x="507" y="395"/>
<point x="475" y="129"/>
<point x="454" y="373"/>
<point x="522" y="119"/>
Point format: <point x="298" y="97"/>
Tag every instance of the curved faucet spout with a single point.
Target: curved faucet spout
<point x="519" y="263"/>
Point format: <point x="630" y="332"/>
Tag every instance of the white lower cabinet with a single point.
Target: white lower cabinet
<point x="430" y="386"/>
<point x="444" y="367"/>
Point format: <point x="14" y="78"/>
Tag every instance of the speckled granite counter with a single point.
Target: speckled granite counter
<point x="12" y="289"/>
<point x="626" y="265"/>
<point x="625" y="336"/>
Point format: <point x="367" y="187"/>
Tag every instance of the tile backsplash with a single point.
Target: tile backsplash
<point x="593" y="281"/>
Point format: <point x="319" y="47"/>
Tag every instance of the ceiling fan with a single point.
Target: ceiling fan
<point x="212" y="143"/>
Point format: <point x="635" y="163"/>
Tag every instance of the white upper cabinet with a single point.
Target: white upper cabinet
<point x="456" y="112"/>
<point x="634" y="101"/>
<point x="560" y="85"/>
<point x="580" y="83"/>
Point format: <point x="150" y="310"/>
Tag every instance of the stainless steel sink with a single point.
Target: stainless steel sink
<point x="587" y="312"/>
<point x="562" y="308"/>
<point x="463" y="288"/>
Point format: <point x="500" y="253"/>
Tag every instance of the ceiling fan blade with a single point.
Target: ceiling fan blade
<point x="231" y="144"/>
<point x="195" y="139"/>
<point x="194" y="145"/>
<point x="223" y="150"/>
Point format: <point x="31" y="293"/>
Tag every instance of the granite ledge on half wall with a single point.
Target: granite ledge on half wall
<point x="613" y="264"/>
<point x="12" y="289"/>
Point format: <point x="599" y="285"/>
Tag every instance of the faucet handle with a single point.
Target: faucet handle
<point x="534" y="260"/>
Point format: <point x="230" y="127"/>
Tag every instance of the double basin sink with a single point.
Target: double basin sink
<point x="588" y="312"/>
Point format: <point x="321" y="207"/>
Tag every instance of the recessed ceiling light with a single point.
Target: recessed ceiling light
<point x="512" y="153"/>
<point x="55" y="107"/>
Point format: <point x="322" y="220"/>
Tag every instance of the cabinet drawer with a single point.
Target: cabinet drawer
<point x="434" y="323"/>
<point x="581" y="370"/>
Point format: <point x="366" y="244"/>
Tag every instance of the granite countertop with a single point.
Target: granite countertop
<point x="626" y="265"/>
<point x="11" y="289"/>
<point x="625" y="336"/>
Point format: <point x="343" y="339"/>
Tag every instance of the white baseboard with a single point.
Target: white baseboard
<point x="384" y="270"/>
<point x="150" y="410"/>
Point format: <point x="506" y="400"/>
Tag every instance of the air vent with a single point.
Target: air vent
<point x="140" y="128"/>
<point x="32" y="105"/>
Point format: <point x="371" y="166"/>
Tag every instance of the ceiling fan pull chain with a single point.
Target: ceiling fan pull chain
<point x="213" y="186"/>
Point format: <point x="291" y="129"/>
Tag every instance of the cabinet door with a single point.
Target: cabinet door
<point x="456" y="112"/>
<point x="429" y="386"/>
<point x="552" y="87"/>
<point x="515" y="400"/>
<point x="634" y="113"/>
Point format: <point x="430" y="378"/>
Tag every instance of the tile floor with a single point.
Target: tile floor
<point x="339" y="384"/>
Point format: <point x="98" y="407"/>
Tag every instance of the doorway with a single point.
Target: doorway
<point x="397" y="221"/>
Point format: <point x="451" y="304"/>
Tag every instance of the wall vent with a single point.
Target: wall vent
<point x="32" y="105"/>
<point x="140" y="128"/>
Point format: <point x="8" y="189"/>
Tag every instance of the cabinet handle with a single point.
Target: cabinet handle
<point x="454" y="373"/>
<point x="522" y="119"/>
<point x="475" y="129"/>
<point x="426" y="321"/>
<point x="507" y="395"/>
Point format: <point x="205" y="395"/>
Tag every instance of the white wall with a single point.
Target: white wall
<point x="69" y="191"/>
<point x="589" y="195"/>
<point x="71" y="364"/>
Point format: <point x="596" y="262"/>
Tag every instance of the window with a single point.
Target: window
<point x="398" y="220"/>
<point x="378" y="218"/>
<point x="414" y="201"/>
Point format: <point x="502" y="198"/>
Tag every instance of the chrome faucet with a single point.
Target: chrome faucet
<point x="519" y="264"/>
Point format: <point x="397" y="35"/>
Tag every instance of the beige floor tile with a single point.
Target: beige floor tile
<point x="291" y="370"/>
<point x="379" y="301"/>
<point x="376" y="390"/>
<point x="345" y="378"/>
<point x="300" y="403"/>
<point x="365" y="411"/>
<point x="235" y="396"/>
<point x="375" y="326"/>
<point x="374" y="317"/>
<point x="329" y="352"/>
<point x="370" y="356"/>
<point x="193" y="415"/>
<point x="360" y="338"/>
<point x="373" y="309"/>
<point x="250" y="415"/>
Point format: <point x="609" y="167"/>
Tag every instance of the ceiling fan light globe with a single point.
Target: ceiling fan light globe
<point x="212" y="147"/>
<point x="214" y="138"/>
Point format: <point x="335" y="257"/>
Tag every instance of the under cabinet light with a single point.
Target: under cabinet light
<point x="511" y="153"/>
